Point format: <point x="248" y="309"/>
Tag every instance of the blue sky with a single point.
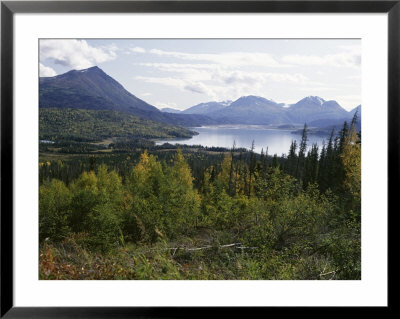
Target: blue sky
<point x="180" y="73"/>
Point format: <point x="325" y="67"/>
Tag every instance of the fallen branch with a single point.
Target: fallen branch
<point x="328" y="273"/>
<point x="333" y="273"/>
<point x="235" y="245"/>
<point x="199" y="248"/>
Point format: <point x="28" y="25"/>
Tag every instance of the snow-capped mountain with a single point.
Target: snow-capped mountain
<point x="205" y="108"/>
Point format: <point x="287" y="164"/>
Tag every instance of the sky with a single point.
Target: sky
<point x="180" y="73"/>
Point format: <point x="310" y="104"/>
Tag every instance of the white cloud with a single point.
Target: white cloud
<point x="201" y="88"/>
<point x="317" y="89"/>
<point x="238" y="77"/>
<point x="183" y="84"/>
<point x="184" y="75"/>
<point x="193" y="72"/>
<point x="75" y="54"/>
<point x="162" y="80"/>
<point x="218" y="76"/>
<point x="289" y="78"/>
<point x="231" y="59"/>
<point x="354" y="77"/>
<point x="179" y="67"/>
<point x="110" y="47"/>
<point x="138" y="50"/>
<point x="344" y="59"/>
<point x="253" y="78"/>
<point x="218" y="83"/>
<point x="46" y="71"/>
<point x="223" y="73"/>
<point x="356" y="49"/>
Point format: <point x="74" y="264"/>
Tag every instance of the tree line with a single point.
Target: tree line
<point x="300" y="214"/>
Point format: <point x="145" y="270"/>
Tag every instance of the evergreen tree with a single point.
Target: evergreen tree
<point x="252" y="167"/>
<point x="292" y="159"/>
<point x="302" y="153"/>
<point x="311" y="167"/>
<point x="232" y="179"/>
<point x="351" y="160"/>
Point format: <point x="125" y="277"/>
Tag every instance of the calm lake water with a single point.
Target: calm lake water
<point x="277" y="140"/>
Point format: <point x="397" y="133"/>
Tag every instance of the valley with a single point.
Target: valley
<point x="249" y="189"/>
<point x="88" y="105"/>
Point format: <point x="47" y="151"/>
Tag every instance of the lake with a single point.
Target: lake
<point x="277" y="140"/>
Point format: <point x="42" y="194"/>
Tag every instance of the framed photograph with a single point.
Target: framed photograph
<point x="162" y="155"/>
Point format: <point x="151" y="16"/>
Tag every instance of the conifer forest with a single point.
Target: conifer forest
<point x="134" y="210"/>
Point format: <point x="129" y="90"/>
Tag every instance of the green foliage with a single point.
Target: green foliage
<point x="179" y="199"/>
<point x="163" y="196"/>
<point x="179" y="214"/>
<point x="144" y="185"/>
<point x="54" y="209"/>
<point x="94" y="206"/>
<point x="90" y="125"/>
<point x="104" y="228"/>
<point x="300" y="220"/>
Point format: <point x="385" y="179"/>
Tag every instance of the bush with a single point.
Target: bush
<point x="54" y="209"/>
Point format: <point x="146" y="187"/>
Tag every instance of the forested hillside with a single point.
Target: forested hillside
<point x="197" y="213"/>
<point x="57" y="124"/>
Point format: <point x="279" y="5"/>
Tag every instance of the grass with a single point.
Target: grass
<point x="69" y="260"/>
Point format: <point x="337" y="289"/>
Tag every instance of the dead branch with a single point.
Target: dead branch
<point x="175" y="249"/>
<point x="328" y="273"/>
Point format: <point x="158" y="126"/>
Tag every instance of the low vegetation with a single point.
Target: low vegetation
<point x="184" y="214"/>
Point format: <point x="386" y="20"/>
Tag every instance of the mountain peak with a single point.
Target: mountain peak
<point x="92" y="89"/>
<point x="207" y="107"/>
<point x="314" y="99"/>
<point x="253" y="98"/>
<point x="313" y="108"/>
<point x="92" y="69"/>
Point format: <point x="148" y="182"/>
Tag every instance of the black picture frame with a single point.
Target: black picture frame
<point x="9" y="8"/>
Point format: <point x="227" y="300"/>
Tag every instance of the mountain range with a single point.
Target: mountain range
<point x="313" y="110"/>
<point x="93" y="89"/>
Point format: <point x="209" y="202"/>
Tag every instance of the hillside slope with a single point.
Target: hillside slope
<point x="93" y="89"/>
<point x="96" y="125"/>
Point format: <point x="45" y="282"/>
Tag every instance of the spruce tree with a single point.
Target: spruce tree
<point x="302" y="153"/>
